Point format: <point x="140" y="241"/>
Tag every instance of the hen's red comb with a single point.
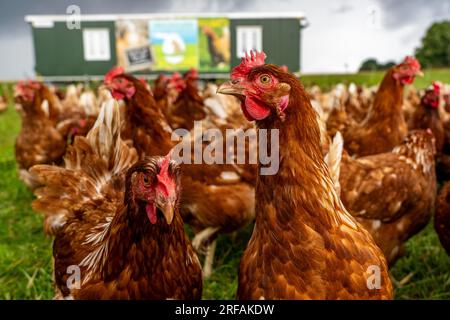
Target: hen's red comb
<point x="412" y="62"/>
<point x="192" y="74"/>
<point x="165" y="183"/>
<point x="255" y="59"/>
<point x="28" y="83"/>
<point x="112" y="73"/>
<point x="176" y="76"/>
<point x="165" y="163"/>
<point x="177" y="82"/>
<point x="436" y="87"/>
<point x="20" y="84"/>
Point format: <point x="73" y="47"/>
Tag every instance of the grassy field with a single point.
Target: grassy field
<point x="372" y="78"/>
<point x="25" y="253"/>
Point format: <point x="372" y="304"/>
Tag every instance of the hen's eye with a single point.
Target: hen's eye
<point x="264" y="79"/>
<point x="146" y="180"/>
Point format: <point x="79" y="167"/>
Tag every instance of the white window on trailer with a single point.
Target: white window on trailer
<point x="96" y="44"/>
<point x="248" y="38"/>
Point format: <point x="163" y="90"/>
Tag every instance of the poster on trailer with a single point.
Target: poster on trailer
<point x="214" y="45"/>
<point x="134" y="52"/>
<point x="174" y="43"/>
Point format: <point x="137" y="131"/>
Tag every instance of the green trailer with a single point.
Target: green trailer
<point x="85" y="47"/>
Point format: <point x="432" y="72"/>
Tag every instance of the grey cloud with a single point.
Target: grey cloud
<point x="12" y="12"/>
<point x="344" y="8"/>
<point x="400" y="13"/>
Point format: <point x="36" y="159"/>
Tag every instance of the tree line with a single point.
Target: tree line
<point x="434" y="51"/>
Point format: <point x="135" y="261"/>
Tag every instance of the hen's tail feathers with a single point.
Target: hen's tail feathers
<point x="333" y="159"/>
<point x="107" y="155"/>
<point x="88" y="102"/>
<point x="91" y="163"/>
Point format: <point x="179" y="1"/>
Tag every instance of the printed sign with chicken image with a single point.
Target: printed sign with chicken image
<point x="175" y="44"/>
<point x="133" y="50"/>
<point x="214" y="44"/>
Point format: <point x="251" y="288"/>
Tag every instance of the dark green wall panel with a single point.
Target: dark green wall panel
<point x="59" y="51"/>
<point x="281" y="40"/>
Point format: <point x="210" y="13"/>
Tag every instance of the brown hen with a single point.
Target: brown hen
<point x="304" y="245"/>
<point x="120" y="225"/>
<point x="38" y="142"/>
<point x="384" y="126"/>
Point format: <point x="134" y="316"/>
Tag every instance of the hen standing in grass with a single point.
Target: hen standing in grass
<point x="39" y="142"/>
<point x="305" y="245"/>
<point x="385" y="126"/>
<point x="120" y="221"/>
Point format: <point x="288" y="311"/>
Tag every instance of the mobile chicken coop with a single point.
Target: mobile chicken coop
<point x="85" y="47"/>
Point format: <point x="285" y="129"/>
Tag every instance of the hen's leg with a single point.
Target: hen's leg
<point x="202" y="244"/>
<point x="201" y="239"/>
<point x="209" y="259"/>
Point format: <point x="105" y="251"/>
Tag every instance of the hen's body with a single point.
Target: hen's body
<point x="144" y="123"/>
<point x="137" y="261"/>
<point x="105" y="232"/>
<point x="187" y="108"/>
<point x="304" y="244"/>
<point x="384" y="127"/>
<point x="392" y="194"/>
<point x="38" y="142"/>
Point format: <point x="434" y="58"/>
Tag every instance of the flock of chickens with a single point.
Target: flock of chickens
<point x="357" y="178"/>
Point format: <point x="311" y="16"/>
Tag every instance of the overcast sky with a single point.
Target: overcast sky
<point x="341" y="34"/>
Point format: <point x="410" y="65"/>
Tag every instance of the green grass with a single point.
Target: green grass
<point x="372" y="78"/>
<point x="26" y="254"/>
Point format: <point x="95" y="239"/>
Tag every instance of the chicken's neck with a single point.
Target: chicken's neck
<point x="388" y="102"/>
<point x="302" y="190"/>
<point x="143" y="117"/>
<point x="429" y="114"/>
<point x="33" y="110"/>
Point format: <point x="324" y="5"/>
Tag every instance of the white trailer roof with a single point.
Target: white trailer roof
<point x="112" y="17"/>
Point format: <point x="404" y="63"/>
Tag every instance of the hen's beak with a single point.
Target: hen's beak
<point x="168" y="210"/>
<point x="231" y="88"/>
<point x="420" y="74"/>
